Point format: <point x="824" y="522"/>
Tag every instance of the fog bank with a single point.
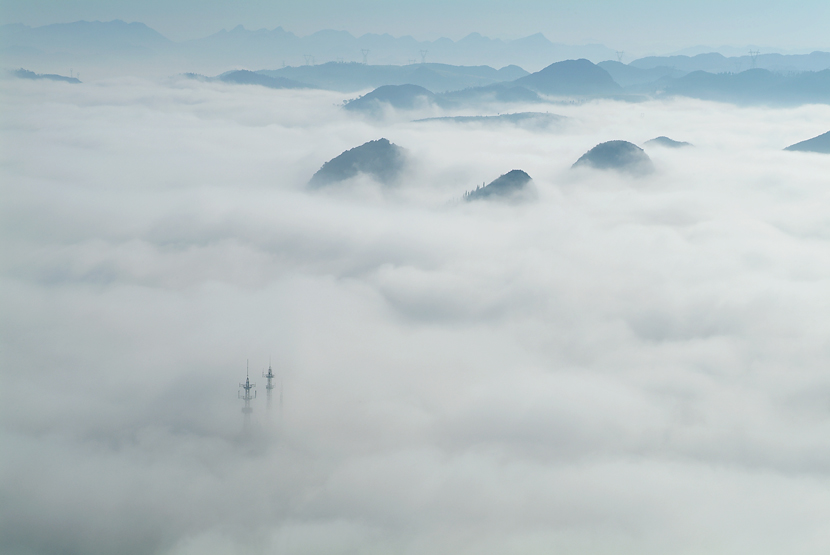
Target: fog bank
<point x="622" y="365"/>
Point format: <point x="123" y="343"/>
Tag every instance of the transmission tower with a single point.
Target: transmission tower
<point x="246" y="396"/>
<point x="620" y="54"/>
<point x="754" y="55"/>
<point x="309" y="59"/>
<point x="269" y="386"/>
<point x="365" y="53"/>
<point x="424" y="56"/>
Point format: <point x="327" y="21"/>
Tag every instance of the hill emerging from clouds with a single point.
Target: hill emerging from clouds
<point x="380" y="159"/>
<point x="621" y="156"/>
<point x="819" y="144"/>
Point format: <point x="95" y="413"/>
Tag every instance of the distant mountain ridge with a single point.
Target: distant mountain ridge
<point x="352" y="76"/>
<point x="275" y="48"/>
<point x="714" y="62"/>
<point x="754" y="86"/>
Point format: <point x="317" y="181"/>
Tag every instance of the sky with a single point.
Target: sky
<point x="619" y="365"/>
<point x="636" y="24"/>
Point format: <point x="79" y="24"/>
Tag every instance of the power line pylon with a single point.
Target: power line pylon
<point x="246" y="396"/>
<point x="620" y="54"/>
<point x="424" y="56"/>
<point x="754" y="55"/>
<point x="269" y="387"/>
<point x="365" y="53"/>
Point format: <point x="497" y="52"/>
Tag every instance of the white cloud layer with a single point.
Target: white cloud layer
<point x="621" y="366"/>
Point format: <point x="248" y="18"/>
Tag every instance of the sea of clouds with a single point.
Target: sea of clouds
<point x="621" y="365"/>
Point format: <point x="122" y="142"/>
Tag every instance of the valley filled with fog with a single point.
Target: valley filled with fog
<point x="616" y="363"/>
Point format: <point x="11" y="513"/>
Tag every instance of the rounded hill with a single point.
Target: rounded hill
<point x="617" y="155"/>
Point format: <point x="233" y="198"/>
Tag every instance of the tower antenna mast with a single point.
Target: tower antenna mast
<point x="269" y="387"/>
<point x="246" y="396"/>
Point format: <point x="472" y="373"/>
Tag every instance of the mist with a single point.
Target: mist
<point x="622" y="364"/>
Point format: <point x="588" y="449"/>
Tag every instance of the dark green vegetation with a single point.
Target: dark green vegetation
<point x="617" y="155"/>
<point x="666" y="142"/>
<point x="26" y="74"/>
<point x="380" y="159"/>
<point x="816" y="144"/>
<point x="509" y="185"/>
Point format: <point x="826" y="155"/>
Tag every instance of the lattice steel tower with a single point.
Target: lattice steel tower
<point x="246" y="396"/>
<point x="269" y="387"/>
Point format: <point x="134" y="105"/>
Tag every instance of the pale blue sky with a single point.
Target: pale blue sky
<point x="633" y="23"/>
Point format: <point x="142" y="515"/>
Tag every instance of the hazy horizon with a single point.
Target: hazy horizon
<point x="639" y="25"/>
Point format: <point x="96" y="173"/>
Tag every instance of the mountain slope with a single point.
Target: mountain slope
<point x="380" y="159"/>
<point x="816" y="144"/>
<point x="571" y="77"/>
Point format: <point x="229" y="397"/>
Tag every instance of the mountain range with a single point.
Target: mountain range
<point x="352" y="76"/>
<point x="254" y="57"/>
<point x="138" y="47"/>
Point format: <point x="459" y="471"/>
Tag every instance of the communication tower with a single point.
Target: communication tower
<point x="246" y="396"/>
<point x="269" y="387"/>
